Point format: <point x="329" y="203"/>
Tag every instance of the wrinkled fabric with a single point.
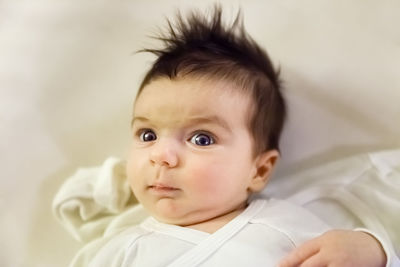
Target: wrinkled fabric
<point x="362" y="191"/>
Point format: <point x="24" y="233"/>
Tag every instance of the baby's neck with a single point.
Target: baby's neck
<point x="212" y="225"/>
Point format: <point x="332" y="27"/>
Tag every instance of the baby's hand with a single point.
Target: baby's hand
<point x="338" y="248"/>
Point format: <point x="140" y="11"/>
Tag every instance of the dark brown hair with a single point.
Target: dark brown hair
<point x="203" y="46"/>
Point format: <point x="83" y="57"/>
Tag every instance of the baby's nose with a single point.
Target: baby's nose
<point x="165" y="153"/>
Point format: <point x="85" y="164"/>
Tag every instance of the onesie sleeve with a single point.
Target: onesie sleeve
<point x="391" y="258"/>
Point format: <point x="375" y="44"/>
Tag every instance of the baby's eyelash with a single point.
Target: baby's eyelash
<point x="209" y="139"/>
<point x="145" y="134"/>
<point x="138" y="132"/>
<point x="199" y="137"/>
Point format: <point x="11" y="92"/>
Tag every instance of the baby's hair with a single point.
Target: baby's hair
<point x="201" y="46"/>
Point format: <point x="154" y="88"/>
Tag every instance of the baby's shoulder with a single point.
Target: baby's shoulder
<point x="283" y="210"/>
<point x="298" y="223"/>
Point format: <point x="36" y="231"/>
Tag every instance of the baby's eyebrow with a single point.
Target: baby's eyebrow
<point x="143" y="119"/>
<point x="211" y="120"/>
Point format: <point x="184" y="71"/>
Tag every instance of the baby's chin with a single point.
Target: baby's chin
<point x="183" y="222"/>
<point x="204" y="221"/>
<point x="166" y="212"/>
<point x="187" y="214"/>
<point x="178" y="218"/>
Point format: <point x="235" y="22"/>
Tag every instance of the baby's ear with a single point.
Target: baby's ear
<point x="264" y="165"/>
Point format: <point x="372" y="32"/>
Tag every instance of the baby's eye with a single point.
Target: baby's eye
<point x="147" y="136"/>
<point x="202" y="139"/>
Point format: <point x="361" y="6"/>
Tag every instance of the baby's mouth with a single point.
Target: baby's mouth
<point x="162" y="188"/>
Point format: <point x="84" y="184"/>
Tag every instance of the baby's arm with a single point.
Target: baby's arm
<point x="365" y="194"/>
<point x="338" y="248"/>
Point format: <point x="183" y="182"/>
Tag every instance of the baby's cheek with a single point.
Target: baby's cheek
<point x="207" y="180"/>
<point x="135" y="172"/>
<point x="131" y="169"/>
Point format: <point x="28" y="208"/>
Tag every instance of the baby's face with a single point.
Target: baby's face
<point x="191" y="155"/>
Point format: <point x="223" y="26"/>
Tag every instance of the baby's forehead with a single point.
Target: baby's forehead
<point x="190" y="99"/>
<point x="193" y="86"/>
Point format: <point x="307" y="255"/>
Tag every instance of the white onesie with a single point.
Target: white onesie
<point x="260" y="236"/>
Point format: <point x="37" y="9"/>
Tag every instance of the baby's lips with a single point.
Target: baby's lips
<point x="161" y="186"/>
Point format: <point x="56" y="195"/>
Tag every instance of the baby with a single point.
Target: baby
<point x="206" y="128"/>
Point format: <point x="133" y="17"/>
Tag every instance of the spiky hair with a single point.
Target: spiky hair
<point x="201" y="45"/>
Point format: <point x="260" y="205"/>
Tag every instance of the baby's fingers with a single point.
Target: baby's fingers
<point x="314" y="261"/>
<point x="300" y="254"/>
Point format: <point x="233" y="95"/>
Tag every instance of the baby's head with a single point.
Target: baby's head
<point x="206" y="124"/>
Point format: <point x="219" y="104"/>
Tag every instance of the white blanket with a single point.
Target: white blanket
<point x="360" y="191"/>
<point x="94" y="202"/>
